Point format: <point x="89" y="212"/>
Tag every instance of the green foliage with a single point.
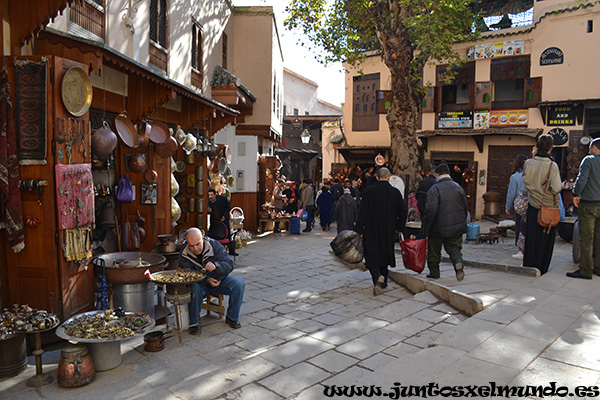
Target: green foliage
<point x="419" y="31"/>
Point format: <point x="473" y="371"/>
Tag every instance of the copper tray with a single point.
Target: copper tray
<point x="76" y="91"/>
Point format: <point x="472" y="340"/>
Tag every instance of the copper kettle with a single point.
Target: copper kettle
<point x="104" y="141"/>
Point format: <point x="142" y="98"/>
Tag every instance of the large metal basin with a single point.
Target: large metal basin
<point x="123" y="267"/>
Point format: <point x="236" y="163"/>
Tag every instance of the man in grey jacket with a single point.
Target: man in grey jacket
<point x="307" y="199"/>
<point x="587" y="198"/>
<point x="444" y="222"/>
<point x="201" y="253"/>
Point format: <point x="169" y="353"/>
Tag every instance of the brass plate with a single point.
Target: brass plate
<point x="76" y="91"/>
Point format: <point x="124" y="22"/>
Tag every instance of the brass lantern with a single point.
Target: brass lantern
<point x="174" y="186"/>
<point x="175" y="211"/>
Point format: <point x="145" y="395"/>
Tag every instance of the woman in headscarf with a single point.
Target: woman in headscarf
<point x="325" y="203"/>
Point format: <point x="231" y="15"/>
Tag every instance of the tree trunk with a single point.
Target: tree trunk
<point x="403" y="114"/>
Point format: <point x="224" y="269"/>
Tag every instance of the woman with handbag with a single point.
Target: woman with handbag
<point x="541" y="177"/>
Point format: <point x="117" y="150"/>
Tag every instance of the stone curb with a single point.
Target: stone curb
<point x="461" y="301"/>
<point x="511" y="269"/>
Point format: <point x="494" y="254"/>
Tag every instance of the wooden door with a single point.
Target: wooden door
<point x="500" y="159"/>
<point x="76" y="278"/>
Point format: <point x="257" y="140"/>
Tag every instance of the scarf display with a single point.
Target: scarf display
<point x="11" y="210"/>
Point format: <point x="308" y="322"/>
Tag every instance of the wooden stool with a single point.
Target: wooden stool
<point x="490" y="237"/>
<point x="214" y="307"/>
<point x="500" y="230"/>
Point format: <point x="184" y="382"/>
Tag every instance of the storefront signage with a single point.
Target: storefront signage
<point x="481" y="120"/>
<point x="498" y="49"/>
<point x="508" y="118"/>
<point x="296" y="124"/>
<point x="551" y="56"/>
<point x="559" y="135"/>
<point x="456" y="119"/>
<point x="561" y="115"/>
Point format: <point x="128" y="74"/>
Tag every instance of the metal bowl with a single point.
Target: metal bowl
<point x="121" y="267"/>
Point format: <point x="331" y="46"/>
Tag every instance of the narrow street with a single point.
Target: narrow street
<point x="309" y="322"/>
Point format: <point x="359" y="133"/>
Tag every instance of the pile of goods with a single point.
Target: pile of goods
<point x="178" y="276"/>
<point x="107" y="325"/>
<point x="25" y="319"/>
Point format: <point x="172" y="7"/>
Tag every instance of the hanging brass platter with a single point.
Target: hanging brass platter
<point x="76" y="91"/>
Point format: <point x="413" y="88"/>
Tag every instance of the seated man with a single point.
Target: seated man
<point x="201" y="252"/>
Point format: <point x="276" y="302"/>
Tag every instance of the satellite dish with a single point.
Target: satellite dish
<point x="398" y="183"/>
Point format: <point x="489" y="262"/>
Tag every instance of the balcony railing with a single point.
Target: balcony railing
<point x="89" y="14"/>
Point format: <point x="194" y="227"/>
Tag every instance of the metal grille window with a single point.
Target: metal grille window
<point x="197" y="46"/>
<point x="158" y="22"/>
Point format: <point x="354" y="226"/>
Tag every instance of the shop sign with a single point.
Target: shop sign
<point x="456" y="119"/>
<point x="481" y="120"/>
<point x="296" y="124"/>
<point x="559" y="135"/>
<point x="497" y="49"/>
<point x="561" y="115"/>
<point x="551" y="56"/>
<point x="508" y="118"/>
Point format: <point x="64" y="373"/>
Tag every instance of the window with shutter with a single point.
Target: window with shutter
<point x="364" y="116"/>
<point x="158" y="34"/>
<point x="197" y="54"/>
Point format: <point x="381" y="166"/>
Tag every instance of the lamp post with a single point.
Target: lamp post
<point x="305" y="136"/>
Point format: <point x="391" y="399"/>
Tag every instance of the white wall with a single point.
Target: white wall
<point x="244" y="150"/>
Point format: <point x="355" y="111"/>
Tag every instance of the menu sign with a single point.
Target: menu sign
<point x="498" y="49"/>
<point x="561" y="115"/>
<point x="508" y="118"/>
<point x="455" y="119"/>
<point x="481" y="120"/>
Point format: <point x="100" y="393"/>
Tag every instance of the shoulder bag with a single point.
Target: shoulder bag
<point x="548" y="217"/>
<point x="522" y="201"/>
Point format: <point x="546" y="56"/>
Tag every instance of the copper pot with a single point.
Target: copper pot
<point x="145" y="135"/>
<point x="104" y="141"/>
<point x="151" y="175"/>
<point x="167" y="149"/>
<point x="127" y="131"/>
<point x="154" y="341"/>
<point x="76" y="367"/>
<point x="137" y="163"/>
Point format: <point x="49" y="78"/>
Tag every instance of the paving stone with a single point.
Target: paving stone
<point x="430" y="315"/>
<point x="333" y="361"/>
<point x="426" y="297"/>
<point x="543" y="370"/>
<point x="296" y="350"/>
<point x="423" y="339"/>
<point x="442" y="327"/>
<point x="348" y="330"/>
<point x="585" y="354"/>
<point x="401" y="349"/>
<point x="469" y="334"/>
<point x="408" y="326"/>
<point x="470" y="371"/>
<point x="377" y="361"/>
<point x="295" y="379"/>
<point x="360" y="348"/>
<point x="502" y="312"/>
<point x="509" y="350"/>
<point x="563" y="305"/>
<point x="540" y="325"/>
<point x="276" y="323"/>
<point x="252" y="392"/>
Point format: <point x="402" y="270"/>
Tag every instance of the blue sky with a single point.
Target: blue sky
<point x="330" y="78"/>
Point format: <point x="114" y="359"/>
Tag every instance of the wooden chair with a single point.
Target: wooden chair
<point x="217" y="307"/>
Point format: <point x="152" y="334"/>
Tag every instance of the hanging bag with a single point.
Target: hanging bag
<point x="124" y="192"/>
<point x="548" y="217"/>
<point x="130" y="235"/>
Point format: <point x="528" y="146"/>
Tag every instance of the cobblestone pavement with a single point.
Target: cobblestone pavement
<point x="309" y="323"/>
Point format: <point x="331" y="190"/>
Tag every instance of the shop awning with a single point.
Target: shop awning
<point x="27" y="17"/>
<point x="51" y="41"/>
<point x="284" y="153"/>
<point x="362" y="155"/>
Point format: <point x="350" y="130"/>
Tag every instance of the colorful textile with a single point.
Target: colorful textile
<point x="78" y="244"/>
<point x="11" y="211"/>
<point x="75" y="195"/>
<point x="30" y="111"/>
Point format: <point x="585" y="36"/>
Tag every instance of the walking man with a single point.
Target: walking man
<point x="587" y="198"/>
<point x="444" y="222"/>
<point x="308" y="203"/>
<point x="382" y="214"/>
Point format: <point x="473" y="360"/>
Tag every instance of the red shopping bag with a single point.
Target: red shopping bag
<point x="414" y="254"/>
